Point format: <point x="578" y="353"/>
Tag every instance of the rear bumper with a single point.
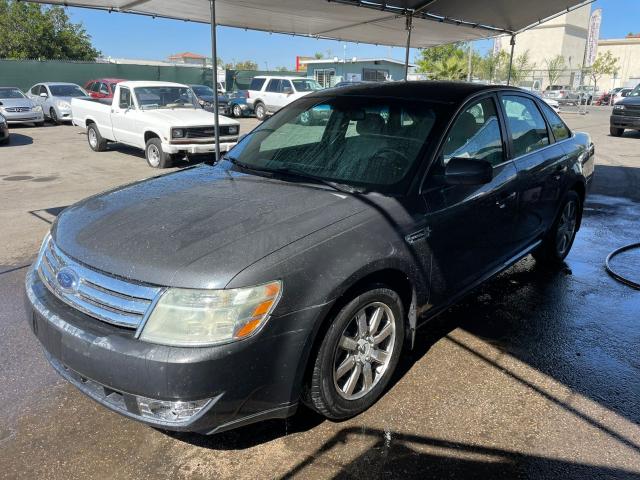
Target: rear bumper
<point x="244" y="382"/>
<point x="623" y="121"/>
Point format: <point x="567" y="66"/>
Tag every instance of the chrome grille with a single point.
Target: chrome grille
<point x="18" y="109"/>
<point x="629" y="111"/>
<point x="104" y="297"/>
<point x="209" y="132"/>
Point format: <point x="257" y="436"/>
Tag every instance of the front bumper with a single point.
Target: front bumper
<point x="247" y="381"/>
<point x="624" y="121"/>
<point x="24" y="117"/>
<point x="197" y="148"/>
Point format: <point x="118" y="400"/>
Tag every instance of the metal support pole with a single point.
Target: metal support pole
<point x="469" y="64"/>
<point x="214" y="61"/>
<point x="513" y="44"/>
<point x="406" y="58"/>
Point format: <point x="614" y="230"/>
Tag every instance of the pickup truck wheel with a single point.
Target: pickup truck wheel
<point x="358" y="354"/>
<point x="96" y="142"/>
<point x="616" y="132"/>
<point x="261" y="111"/>
<point x="156" y="157"/>
<point x="54" y="116"/>
<point x="559" y="240"/>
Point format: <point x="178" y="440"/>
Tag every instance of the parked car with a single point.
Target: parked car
<point x="4" y="130"/>
<point x="621" y="94"/>
<point x="563" y="94"/>
<point x="55" y="99"/>
<point x="549" y="101"/>
<point x="163" y="119"/>
<point x="16" y="108"/>
<point x="586" y="94"/>
<point x="268" y="94"/>
<point x="295" y="269"/>
<point x="351" y="83"/>
<point x="238" y="105"/>
<point x="204" y="95"/>
<point x="626" y="113"/>
<point x="103" y="87"/>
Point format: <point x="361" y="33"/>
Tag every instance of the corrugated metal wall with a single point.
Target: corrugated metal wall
<point x="26" y="73"/>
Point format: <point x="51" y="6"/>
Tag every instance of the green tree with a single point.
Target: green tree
<point x="521" y="68"/>
<point x="319" y="55"/>
<point x="492" y="66"/>
<point x="243" y="65"/>
<point x="430" y="57"/>
<point x="28" y="30"/>
<point x="451" y="68"/>
<point x="604" y="64"/>
<point x="555" y="67"/>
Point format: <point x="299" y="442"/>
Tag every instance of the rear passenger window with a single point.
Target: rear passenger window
<point x="476" y="134"/>
<point x="273" y="86"/>
<point x="558" y="127"/>
<point x="257" y="83"/>
<point x="528" y="129"/>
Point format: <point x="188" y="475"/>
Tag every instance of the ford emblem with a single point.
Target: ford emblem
<point x="67" y="280"/>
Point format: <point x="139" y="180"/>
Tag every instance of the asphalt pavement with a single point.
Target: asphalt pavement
<point x="534" y="375"/>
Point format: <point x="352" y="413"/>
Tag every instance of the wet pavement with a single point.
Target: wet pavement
<point x="534" y="375"/>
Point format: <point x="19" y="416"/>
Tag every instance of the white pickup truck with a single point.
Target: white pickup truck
<point x="164" y="119"/>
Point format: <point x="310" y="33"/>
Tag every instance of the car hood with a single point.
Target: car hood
<point x="68" y="99"/>
<point x="186" y="117"/>
<point x="629" y="101"/>
<point x="197" y="228"/>
<point x="15" y="102"/>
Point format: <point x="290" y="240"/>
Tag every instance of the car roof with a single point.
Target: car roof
<point x="144" y="83"/>
<point x="283" y="77"/>
<point x="53" y="84"/>
<point x="432" y="90"/>
<point x="107" y="80"/>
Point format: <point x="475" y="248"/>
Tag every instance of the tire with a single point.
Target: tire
<point x="236" y="111"/>
<point x="96" y="142"/>
<point x="54" y="116"/>
<point x="156" y="157"/>
<point x="339" y="387"/>
<point x="261" y="111"/>
<point x="555" y="249"/>
<point x="616" y="132"/>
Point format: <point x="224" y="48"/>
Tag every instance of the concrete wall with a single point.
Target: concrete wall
<point x="627" y="51"/>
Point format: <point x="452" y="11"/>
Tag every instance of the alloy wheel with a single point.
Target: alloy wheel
<point x="153" y="154"/>
<point x="566" y="227"/>
<point x="93" y="138"/>
<point x="364" y="351"/>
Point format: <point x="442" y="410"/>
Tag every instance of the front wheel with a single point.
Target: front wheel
<point x="358" y="355"/>
<point x="616" y="132"/>
<point x="156" y="157"/>
<point x="559" y="240"/>
<point x="261" y="112"/>
<point x="237" y="111"/>
<point x="53" y="115"/>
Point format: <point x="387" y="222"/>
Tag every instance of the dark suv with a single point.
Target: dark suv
<point x="299" y="267"/>
<point x="626" y="114"/>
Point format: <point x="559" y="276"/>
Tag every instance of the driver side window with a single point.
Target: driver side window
<point x="475" y="134"/>
<point x="125" y="98"/>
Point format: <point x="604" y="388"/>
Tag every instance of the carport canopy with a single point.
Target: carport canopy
<point x="409" y="23"/>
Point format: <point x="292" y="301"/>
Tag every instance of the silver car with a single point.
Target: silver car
<point x="16" y="108"/>
<point x="55" y="99"/>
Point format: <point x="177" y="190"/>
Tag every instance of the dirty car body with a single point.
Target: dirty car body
<point x="305" y="216"/>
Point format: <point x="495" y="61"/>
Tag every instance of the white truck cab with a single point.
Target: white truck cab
<point x="163" y="119"/>
<point x="268" y="94"/>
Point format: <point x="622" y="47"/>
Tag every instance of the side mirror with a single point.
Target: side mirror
<point x="468" y="171"/>
<point x="44" y="95"/>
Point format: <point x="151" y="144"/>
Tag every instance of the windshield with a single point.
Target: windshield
<point x="203" y="91"/>
<point x="10" y="93"/>
<point x="153" y="98"/>
<point x="306" y="85"/>
<point x="635" y="92"/>
<point x="67" y="91"/>
<point x="367" y="142"/>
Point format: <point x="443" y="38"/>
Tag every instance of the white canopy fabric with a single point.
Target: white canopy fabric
<point x="435" y="22"/>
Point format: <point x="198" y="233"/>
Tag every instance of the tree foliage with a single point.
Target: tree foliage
<point x="604" y="64"/>
<point x="435" y="57"/>
<point x="242" y="65"/>
<point x="555" y="67"/>
<point x="31" y="31"/>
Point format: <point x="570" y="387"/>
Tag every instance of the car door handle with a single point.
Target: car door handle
<point x="505" y="199"/>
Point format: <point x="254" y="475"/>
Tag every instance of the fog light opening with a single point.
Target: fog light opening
<point x="170" y="411"/>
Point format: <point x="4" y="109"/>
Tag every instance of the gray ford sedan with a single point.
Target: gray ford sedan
<point x="297" y="270"/>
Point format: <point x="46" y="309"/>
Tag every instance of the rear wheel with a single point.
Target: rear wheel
<point x="96" y="142"/>
<point x="156" y="157"/>
<point x="616" y="132"/>
<point x="358" y="354"/>
<point x="261" y="111"/>
<point x="558" y="241"/>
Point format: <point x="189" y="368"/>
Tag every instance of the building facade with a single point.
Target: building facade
<point x="627" y="51"/>
<point x="328" y="72"/>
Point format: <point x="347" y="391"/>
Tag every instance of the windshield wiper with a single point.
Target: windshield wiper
<point x="340" y="187"/>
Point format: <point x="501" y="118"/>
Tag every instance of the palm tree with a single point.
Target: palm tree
<point x="452" y="68"/>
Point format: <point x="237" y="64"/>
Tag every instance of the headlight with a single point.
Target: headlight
<point x="177" y="133"/>
<point x="188" y="318"/>
<point x="37" y="109"/>
<point x="62" y="104"/>
<point x="618" y="107"/>
<point x="233" y="130"/>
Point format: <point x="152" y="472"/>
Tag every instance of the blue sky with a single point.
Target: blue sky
<point x="133" y="36"/>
